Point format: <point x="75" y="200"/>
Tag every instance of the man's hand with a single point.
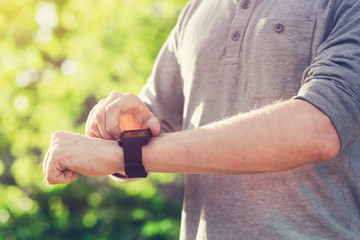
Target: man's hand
<point x="71" y="153"/>
<point x="119" y="112"/>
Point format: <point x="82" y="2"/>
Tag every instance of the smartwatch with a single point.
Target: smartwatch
<point x="132" y="141"/>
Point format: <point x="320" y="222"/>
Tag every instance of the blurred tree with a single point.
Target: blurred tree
<point x="57" y="59"/>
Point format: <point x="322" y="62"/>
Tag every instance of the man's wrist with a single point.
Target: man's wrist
<point x="131" y="142"/>
<point x="109" y="151"/>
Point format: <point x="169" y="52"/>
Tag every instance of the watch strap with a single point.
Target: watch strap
<point x="133" y="159"/>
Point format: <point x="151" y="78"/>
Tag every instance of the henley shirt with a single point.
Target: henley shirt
<point x="227" y="57"/>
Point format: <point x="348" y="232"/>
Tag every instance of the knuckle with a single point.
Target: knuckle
<point x="92" y="127"/>
<point x="50" y="180"/>
<point x="115" y="94"/>
<point x="133" y="101"/>
<point x="55" y="151"/>
<point x="111" y="128"/>
<point x="99" y="116"/>
<point x="110" y="107"/>
<point x="88" y="131"/>
<point x="55" y="154"/>
<point x="56" y="135"/>
<point x="130" y="96"/>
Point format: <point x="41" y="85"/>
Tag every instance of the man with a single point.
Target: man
<point x="266" y="93"/>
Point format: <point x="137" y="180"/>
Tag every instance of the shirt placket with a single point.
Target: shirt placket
<point x="244" y="11"/>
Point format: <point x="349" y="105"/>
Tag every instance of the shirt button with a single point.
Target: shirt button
<point x="279" y="27"/>
<point x="245" y="4"/>
<point x="235" y="36"/>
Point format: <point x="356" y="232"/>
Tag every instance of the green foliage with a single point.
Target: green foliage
<point x="57" y="59"/>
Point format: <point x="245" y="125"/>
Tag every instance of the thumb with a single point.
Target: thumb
<point x="154" y="125"/>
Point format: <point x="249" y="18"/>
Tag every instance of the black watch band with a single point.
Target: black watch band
<point x="132" y="142"/>
<point x="133" y="159"/>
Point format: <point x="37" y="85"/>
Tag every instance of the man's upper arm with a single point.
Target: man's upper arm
<point x="163" y="92"/>
<point x="332" y="81"/>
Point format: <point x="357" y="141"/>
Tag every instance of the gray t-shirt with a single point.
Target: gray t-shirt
<point x="227" y="57"/>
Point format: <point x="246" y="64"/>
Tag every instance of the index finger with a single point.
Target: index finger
<point x="125" y="113"/>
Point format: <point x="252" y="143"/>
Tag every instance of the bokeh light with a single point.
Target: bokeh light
<point x="4" y="216"/>
<point x="57" y="59"/>
<point x="21" y="103"/>
<point x="69" y="67"/>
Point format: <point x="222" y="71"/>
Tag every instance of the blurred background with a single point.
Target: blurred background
<point x="57" y="59"/>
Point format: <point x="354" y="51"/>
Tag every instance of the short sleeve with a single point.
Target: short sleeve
<point x="332" y="81"/>
<point x="163" y="92"/>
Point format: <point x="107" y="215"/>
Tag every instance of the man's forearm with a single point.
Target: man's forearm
<point x="276" y="138"/>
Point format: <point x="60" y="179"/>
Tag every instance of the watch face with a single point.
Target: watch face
<point x="134" y="133"/>
<point x="142" y="135"/>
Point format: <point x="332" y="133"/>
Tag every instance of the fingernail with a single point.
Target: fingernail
<point x="151" y="124"/>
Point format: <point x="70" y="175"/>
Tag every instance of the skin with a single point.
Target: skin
<point x="275" y="138"/>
